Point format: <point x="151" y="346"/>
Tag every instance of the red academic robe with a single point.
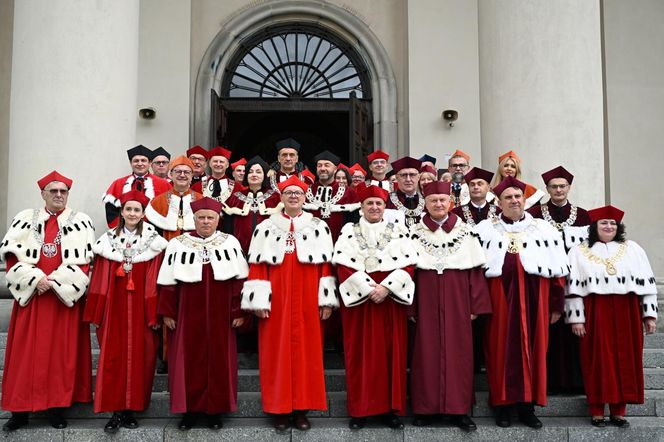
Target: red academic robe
<point x="244" y="226"/>
<point x="150" y="185"/>
<point x="375" y="353"/>
<point x="128" y="345"/>
<point x="516" y="335"/>
<point x="202" y="368"/>
<point x="47" y="359"/>
<point x="612" y="350"/>
<point x="290" y="349"/>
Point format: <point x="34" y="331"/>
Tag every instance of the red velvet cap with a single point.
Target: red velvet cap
<point x="606" y="212"/>
<point x="437" y="187"/>
<point x="206" y="203"/>
<point x="557" y="172"/>
<point x="506" y="184"/>
<point x="357" y="167"/>
<point x="240" y="162"/>
<point x="477" y="173"/>
<point x="512" y="154"/>
<point x="135" y="195"/>
<point x="377" y="155"/>
<point x="460" y="153"/>
<point x="429" y="169"/>
<point x="293" y="181"/>
<point x="181" y="161"/>
<point x="370" y="191"/>
<point x="54" y="176"/>
<point x="197" y="150"/>
<point x="406" y="163"/>
<point x="308" y="176"/>
<point x="343" y="166"/>
<point x="218" y="152"/>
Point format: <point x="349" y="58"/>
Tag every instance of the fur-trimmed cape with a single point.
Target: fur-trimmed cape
<point x="150" y="242"/>
<point x="70" y="283"/>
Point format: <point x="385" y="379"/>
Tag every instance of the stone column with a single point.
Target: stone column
<point x="541" y="89"/>
<point x="73" y="97"/>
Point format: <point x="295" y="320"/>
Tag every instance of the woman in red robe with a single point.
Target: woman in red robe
<point x="612" y="297"/>
<point x="122" y="305"/>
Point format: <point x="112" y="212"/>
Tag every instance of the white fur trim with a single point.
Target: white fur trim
<point x="395" y="216"/>
<point x="470" y="253"/>
<point x="534" y="199"/>
<point x="22" y="281"/>
<point x="574" y="235"/>
<point x="355" y="290"/>
<point x="543" y="252"/>
<point x="400" y="285"/>
<point x="169" y="221"/>
<point x="649" y="306"/>
<point x="398" y="253"/>
<point x="327" y="292"/>
<point x="262" y="210"/>
<point x="182" y="261"/>
<point x="633" y="272"/>
<point x="75" y="244"/>
<point x="69" y="283"/>
<point x="108" y="198"/>
<point x="313" y="240"/>
<point x="575" y="312"/>
<point x="149" y="239"/>
<point x="256" y="295"/>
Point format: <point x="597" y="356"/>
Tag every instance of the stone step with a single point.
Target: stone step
<point x="331" y="430"/>
<point x="653" y="358"/>
<point x="249" y="406"/>
<point x="656" y="340"/>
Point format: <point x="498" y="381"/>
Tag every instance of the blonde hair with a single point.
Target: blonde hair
<point x="498" y="176"/>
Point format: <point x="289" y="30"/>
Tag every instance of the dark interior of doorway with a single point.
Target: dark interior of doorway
<point x="255" y="133"/>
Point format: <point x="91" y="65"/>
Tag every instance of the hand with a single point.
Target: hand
<point x="378" y="294"/>
<point x="579" y="330"/>
<point x="412" y="319"/>
<point x="473" y="317"/>
<point x="155" y="327"/>
<point x="325" y="312"/>
<point x="650" y="325"/>
<point x="237" y="322"/>
<point x="96" y="325"/>
<point x="169" y="322"/>
<point x="262" y="314"/>
<point x="44" y="285"/>
<point x="554" y="317"/>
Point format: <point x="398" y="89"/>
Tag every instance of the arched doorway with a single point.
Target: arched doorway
<point x="294" y="80"/>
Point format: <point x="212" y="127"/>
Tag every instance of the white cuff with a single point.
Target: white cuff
<point x="327" y="296"/>
<point x="574" y="311"/>
<point x="69" y="283"/>
<point x="649" y="306"/>
<point x="355" y="290"/>
<point x="256" y="295"/>
<point x="400" y="285"/>
<point x="22" y="281"/>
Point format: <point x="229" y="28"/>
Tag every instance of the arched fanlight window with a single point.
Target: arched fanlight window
<point x="295" y="61"/>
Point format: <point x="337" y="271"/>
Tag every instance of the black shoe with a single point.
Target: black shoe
<point x="128" y="420"/>
<point x="281" y="422"/>
<point x="503" y="416"/>
<point x="619" y="421"/>
<point x="464" y="422"/>
<point x="188" y="421"/>
<point x="530" y="420"/>
<point x="421" y="420"/>
<point x="357" y="423"/>
<point x="598" y="422"/>
<point x="214" y="421"/>
<point x="300" y="421"/>
<point x="56" y="419"/>
<point x="113" y="424"/>
<point x="162" y="367"/>
<point x="393" y="421"/>
<point x="15" y="422"/>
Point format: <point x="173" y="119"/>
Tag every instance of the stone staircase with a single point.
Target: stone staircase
<point x="565" y="417"/>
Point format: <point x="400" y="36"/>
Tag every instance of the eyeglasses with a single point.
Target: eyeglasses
<point x="57" y="191"/>
<point x="407" y="175"/>
<point x="160" y="163"/>
<point x="558" y="186"/>
<point x="182" y="172"/>
<point x="290" y="193"/>
<point x="458" y="166"/>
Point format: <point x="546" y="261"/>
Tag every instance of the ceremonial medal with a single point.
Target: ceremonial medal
<point x="204" y="255"/>
<point x="127" y="266"/>
<point x="515" y="244"/>
<point x="371" y="264"/>
<point x="180" y="223"/>
<point x="609" y="263"/>
<point x="440" y="267"/>
<point x="611" y="269"/>
<point x="290" y="243"/>
<point x="49" y="250"/>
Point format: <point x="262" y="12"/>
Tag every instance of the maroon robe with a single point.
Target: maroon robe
<point x="202" y="367"/>
<point x="476" y="213"/>
<point x="127" y="342"/>
<point x="335" y="220"/>
<point x="375" y="353"/>
<point x="408" y="203"/>
<point x="562" y="359"/>
<point x="244" y="226"/>
<point x="441" y="367"/>
<point x="47" y="358"/>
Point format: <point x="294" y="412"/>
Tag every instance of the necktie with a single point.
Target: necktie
<point x="139" y="184"/>
<point x="216" y="188"/>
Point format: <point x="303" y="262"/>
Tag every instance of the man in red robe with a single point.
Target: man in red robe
<point x="378" y="167"/>
<point x="405" y="198"/>
<point x="140" y="180"/>
<point x="291" y="289"/>
<point x="563" y="363"/>
<point x="199" y="158"/>
<point x="526" y="265"/>
<point x="47" y="360"/>
<point x="375" y="261"/>
<point x="238" y="169"/>
<point x="451" y="292"/>
<point x="216" y="185"/>
<point x="199" y="300"/>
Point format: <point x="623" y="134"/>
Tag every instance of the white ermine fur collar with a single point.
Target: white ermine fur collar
<point x="148" y="245"/>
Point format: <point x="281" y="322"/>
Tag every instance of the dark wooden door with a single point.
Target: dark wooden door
<point x="219" y="121"/>
<point x="361" y="129"/>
